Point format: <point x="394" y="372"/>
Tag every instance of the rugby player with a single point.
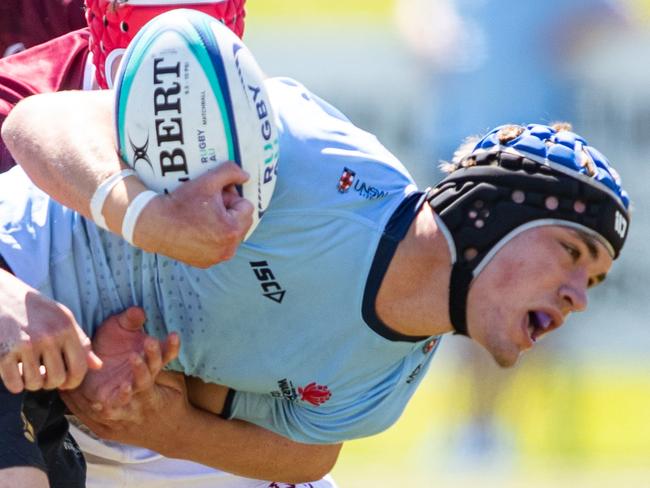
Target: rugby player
<point x="325" y="320"/>
<point x="87" y="59"/>
<point x="26" y="23"/>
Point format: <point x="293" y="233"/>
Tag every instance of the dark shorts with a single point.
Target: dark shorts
<point x="35" y="433"/>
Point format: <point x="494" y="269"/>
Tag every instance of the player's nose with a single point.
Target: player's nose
<point x="573" y="295"/>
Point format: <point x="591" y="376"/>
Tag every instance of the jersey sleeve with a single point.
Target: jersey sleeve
<point x="310" y="425"/>
<point x="363" y="412"/>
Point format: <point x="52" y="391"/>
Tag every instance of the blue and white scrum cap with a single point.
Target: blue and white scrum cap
<point x="516" y="178"/>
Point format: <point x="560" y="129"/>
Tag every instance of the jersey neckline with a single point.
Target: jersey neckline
<point x="394" y="232"/>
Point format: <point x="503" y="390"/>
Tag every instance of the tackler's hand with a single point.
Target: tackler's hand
<point x="41" y="343"/>
<point x="150" y="416"/>
<point x="131" y="360"/>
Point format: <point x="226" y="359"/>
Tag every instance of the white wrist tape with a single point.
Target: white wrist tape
<point x="133" y="212"/>
<point x="101" y="193"/>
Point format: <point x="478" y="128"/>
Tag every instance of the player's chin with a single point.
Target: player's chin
<point x="507" y="358"/>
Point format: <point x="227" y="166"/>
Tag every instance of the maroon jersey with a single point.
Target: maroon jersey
<point x="31" y="22"/>
<point x="59" y="64"/>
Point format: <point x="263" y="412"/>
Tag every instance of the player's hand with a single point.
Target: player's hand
<point x="131" y="359"/>
<point x="149" y="418"/>
<point x="204" y="220"/>
<point x="41" y="344"/>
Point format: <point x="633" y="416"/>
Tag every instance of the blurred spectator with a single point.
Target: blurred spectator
<point x="25" y="23"/>
<point x="489" y="62"/>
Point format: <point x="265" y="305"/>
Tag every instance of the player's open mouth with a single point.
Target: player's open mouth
<point x="538" y="324"/>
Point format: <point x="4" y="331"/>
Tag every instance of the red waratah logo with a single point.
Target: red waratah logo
<point x="314" y="394"/>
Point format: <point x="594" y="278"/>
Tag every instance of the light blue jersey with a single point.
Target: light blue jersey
<point x="289" y="323"/>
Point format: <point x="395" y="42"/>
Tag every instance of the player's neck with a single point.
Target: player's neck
<point x="414" y="295"/>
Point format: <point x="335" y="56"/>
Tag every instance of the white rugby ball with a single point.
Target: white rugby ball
<point x="189" y="96"/>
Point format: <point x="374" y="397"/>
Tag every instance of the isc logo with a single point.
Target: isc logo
<point x="620" y="224"/>
<point x="271" y="289"/>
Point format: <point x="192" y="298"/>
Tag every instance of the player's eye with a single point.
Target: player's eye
<point x="596" y="280"/>
<point x="572" y="251"/>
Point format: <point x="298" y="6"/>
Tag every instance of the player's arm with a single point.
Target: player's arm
<point x="6" y="159"/>
<point x="314" y="460"/>
<point x="65" y="143"/>
<point x="241" y="447"/>
<point x="23" y="476"/>
<point x="144" y="407"/>
<point x="259" y="453"/>
<point x="161" y="418"/>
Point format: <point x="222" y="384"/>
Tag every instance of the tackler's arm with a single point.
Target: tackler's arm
<point x="65" y="142"/>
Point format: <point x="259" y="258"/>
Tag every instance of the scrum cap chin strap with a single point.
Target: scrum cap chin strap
<point x="486" y="205"/>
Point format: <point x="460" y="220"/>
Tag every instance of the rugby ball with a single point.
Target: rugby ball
<point x="188" y="96"/>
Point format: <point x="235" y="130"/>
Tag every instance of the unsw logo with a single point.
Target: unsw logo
<point x="312" y="393"/>
<point x="349" y="180"/>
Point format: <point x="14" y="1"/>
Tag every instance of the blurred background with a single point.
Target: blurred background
<point x="422" y="75"/>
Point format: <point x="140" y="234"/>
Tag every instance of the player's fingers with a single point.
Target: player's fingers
<point x="93" y="361"/>
<point x="241" y="207"/>
<point x="153" y="355"/>
<point x="143" y="375"/>
<point x="213" y="181"/>
<point x="117" y="408"/>
<point x="55" y="370"/>
<point x="11" y="376"/>
<point x="103" y="395"/>
<point x="230" y="173"/>
<point x="121" y="396"/>
<point x="131" y="319"/>
<point x="239" y="212"/>
<point x="118" y="397"/>
<point x="32" y="378"/>
<point x="80" y="352"/>
<point x="229" y="192"/>
<point x="77" y="362"/>
<point x="171" y="348"/>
